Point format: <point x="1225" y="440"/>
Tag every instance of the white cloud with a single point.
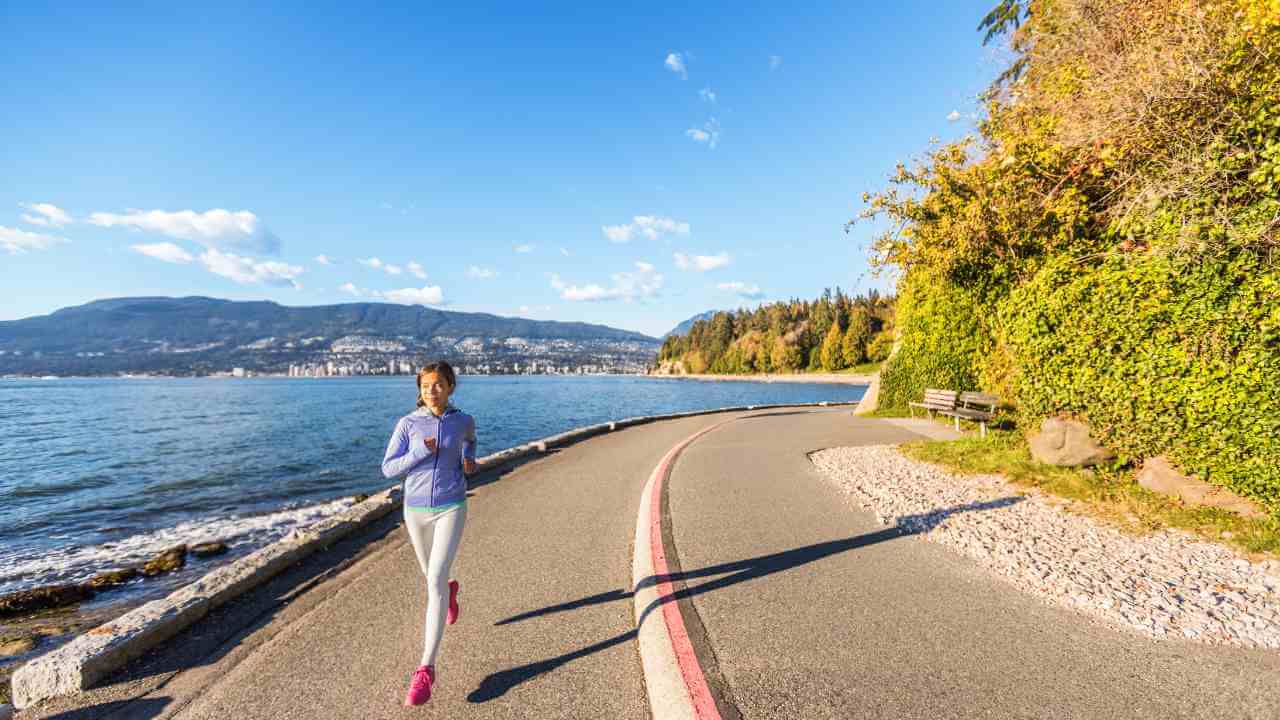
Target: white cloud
<point x="649" y="226"/>
<point x="324" y="260"/>
<point x="387" y="268"/>
<point x="47" y="215"/>
<point x="708" y="134"/>
<point x="417" y="270"/>
<point x="775" y="61"/>
<point x="675" y="63"/>
<point x="16" y="241"/>
<point x="215" y="229"/>
<point x="534" y="310"/>
<point x="644" y="282"/>
<point x="707" y="94"/>
<point x="166" y="251"/>
<point x="565" y="252"/>
<point x="481" y="273"/>
<point x="351" y="289"/>
<point x="524" y="249"/>
<point x="750" y="292"/>
<point x="618" y="233"/>
<point x="248" y="271"/>
<point x="701" y="263"/>
<point x="953" y="116"/>
<point x="425" y="295"/>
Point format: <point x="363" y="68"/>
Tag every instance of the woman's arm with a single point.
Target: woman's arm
<point x="469" y="440"/>
<point x="400" y="458"/>
<point x="469" y="447"/>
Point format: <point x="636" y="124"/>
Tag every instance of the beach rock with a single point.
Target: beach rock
<point x="209" y="549"/>
<point x="17" y="646"/>
<point x="1159" y="475"/>
<point x="1066" y="443"/>
<point x="359" y="498"/>
<point x="23" y="602"/>
<point x="112" y="578"/>
<point x="167" y="561"/>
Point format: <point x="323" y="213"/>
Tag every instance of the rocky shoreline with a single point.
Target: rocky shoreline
<point x="1164" y="585"/>
<point x="820" y="378"/>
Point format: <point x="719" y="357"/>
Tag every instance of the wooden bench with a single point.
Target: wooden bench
<point x="935" y="400"/>
<point x="975" y="406"/>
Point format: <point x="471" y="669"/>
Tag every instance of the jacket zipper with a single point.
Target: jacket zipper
<point x="435" y="460"/>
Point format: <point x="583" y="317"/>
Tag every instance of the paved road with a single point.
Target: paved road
<point x="548" y="533"/>
<point x="810" y="609"/>
<point x="814" y="610"/>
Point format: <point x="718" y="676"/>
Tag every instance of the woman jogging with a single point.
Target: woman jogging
<point x="436" y="446"/>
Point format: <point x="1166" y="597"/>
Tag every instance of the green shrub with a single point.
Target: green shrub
<point x="942" y="339"/>
<point x="1160" y="356"/>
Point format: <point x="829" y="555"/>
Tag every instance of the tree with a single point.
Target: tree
<point x="785" y="356"/>
<point x="832" y="358"/>
<point x="853" y="347"/>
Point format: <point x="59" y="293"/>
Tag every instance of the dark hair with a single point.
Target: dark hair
<point x="441" y="368"/>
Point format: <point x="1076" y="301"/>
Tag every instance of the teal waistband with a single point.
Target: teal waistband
<point x="436" y="508"/>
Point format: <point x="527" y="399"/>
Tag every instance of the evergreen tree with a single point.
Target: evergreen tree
<point x="853" y="348"/>
<point x="832" y="357"/>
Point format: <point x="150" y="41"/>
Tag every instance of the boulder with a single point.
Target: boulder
<point x="167" y="561"/>
<point x="209" y="549"/>
<point x="23" y="602"/>
<point x="1159" y="475"/>
<point x="357" y="499"/>
<point x="1066" y="443"/>
<point x="112" y="578"/>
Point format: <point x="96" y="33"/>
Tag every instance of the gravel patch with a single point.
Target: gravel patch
<point x="1167" y="584"/>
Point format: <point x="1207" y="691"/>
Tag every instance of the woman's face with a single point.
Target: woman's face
<point x="435" y="390"/>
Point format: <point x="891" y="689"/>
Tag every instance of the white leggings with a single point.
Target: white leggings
<point x="436" y="548"/>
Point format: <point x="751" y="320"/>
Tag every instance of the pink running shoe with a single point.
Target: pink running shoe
<point x="452" y="617"/>
<point x="420" y="686"/>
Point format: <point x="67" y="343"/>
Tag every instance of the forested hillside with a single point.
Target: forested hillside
<point x="832" y="333"/>
<point x="1105" y="247"/>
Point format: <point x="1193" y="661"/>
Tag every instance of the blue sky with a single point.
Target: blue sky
<point x="629" y="167"/>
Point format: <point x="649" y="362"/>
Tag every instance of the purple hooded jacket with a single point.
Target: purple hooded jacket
<point x="435" y="479"/>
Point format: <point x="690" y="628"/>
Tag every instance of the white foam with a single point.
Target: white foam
<point x="76" y="564"/>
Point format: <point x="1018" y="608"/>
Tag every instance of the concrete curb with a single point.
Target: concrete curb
<point x="90" y="657"/>
<point x="674" y="681"/>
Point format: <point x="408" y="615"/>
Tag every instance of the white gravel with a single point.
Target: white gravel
<point x="1167" y="584"/>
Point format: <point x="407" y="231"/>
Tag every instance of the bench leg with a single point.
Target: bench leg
<point x="984" y="430"/>
<point x="957" y="423"/>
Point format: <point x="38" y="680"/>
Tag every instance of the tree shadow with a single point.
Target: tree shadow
<point x="497" y="684"/>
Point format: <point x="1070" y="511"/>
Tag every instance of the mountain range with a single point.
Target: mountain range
<point x="200" y="334"/>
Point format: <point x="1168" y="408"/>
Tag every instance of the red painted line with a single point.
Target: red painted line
<point x="695" y="681"/>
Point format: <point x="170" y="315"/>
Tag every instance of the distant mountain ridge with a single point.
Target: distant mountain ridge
<point x="204" y="327"/>
<point x="687" y="325"/>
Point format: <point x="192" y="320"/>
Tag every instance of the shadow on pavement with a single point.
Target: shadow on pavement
<point x="133" y="710"/>
<point x="497" y="684"/>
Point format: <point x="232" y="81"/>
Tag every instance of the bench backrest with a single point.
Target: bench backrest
<point x="935" y="399"/>
<point x="979" y="401"/>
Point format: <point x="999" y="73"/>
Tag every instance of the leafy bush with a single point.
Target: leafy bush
<point x="942" y="339"/>
<point x="1160" y="356"/>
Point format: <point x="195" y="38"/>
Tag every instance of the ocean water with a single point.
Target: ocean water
<point x="100" y="473"/>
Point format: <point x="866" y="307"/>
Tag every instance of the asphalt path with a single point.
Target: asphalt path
<point x="800" y="606"/>
<point x="812" y="609"/>
<point x="546" y="629"/>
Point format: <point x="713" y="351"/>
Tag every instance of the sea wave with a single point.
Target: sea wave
<point x="20" y="571"/>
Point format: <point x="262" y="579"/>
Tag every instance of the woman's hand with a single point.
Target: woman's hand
<point x="468" y="466"/>
<point x="430" y="443"/>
